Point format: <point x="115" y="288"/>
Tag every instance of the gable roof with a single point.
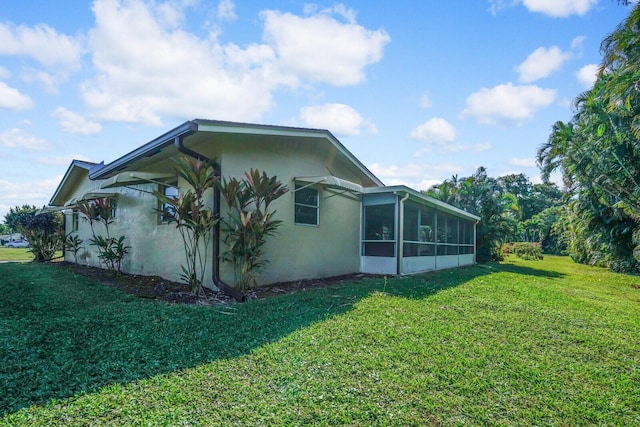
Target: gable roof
<point x="165" y="144"/>
<point x="77" y="169"/>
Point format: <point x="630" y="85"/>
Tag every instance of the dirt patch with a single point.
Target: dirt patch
<point x="157" y="288"/>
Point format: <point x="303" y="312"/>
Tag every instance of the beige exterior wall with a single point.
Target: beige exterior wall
<point x="297" y="252"/>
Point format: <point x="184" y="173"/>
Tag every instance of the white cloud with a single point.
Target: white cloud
<point x="74" y="123"/>
<point x="226" y="10"/>
<point x="425" y="100"/>
<point x="497" y="5"/>
<point x="523" y="162"/>
<point x="578" y="43"/>
<point x="507" y="103"/>
<point x="320" y="48"/>
<point x="147" y="70"/>
<point x="419" y="176"/>
<point x="61" y="160"/>
<point x="37" y="193"/>
<point x="436" y="130"/>
<point x="337" y="118"/>
<point x="560" y="8"/>
<point x="541" y="63"/>
<point x="587" y="75"/>
<point x="18" y="138"/>
<point x="12" y="99"/>
<point x="41" y="43"/>
<point x="483" y="147"/>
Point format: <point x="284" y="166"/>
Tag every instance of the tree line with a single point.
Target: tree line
<point x="595" y="218"/>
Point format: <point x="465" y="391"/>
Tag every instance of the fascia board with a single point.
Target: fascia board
<point x="143" y="151"/>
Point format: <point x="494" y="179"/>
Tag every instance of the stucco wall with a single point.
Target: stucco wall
<point x="297" y="252"/>
<point x="154" y="248"/>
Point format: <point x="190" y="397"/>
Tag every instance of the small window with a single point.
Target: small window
<point x="166" y="210"/>
<point x="114" y="208"/>
<point x="307" y="205"/>
<point x="74" y="220"/>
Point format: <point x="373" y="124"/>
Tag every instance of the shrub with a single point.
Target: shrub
<point x="192" y="218"/>
<point x="43" y="232"/>
<point x="531" y="251"/>
<point x="249" y="222"/>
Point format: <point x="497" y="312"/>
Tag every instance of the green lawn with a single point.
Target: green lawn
<point x="517" y="343"/>
<point x="15" y="254"/>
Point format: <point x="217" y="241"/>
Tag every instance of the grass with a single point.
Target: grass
<point x="15" y="254"/>
<point x="518" y="343"/>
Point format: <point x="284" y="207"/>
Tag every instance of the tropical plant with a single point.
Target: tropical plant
<point x="598" y="154"/>
<point x="43" y="232"/>
<point x="483" y="196"/>
<point x="249" y="222"/>
<point x="193" y="219"/>
<point x="73" y="244"/>
<point x="111" y="250"/>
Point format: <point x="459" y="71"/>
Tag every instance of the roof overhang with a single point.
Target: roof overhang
<point x="423" y="199"/>
<point x="222" y="127"/>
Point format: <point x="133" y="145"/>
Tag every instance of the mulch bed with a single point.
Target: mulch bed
<point x="157" y="288"/>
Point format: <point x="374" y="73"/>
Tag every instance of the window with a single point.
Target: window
<point x="166" y="210"/>
<point x="307" y="206"/>
<point x="114" y="208"/>
<point x="75" y="217"/>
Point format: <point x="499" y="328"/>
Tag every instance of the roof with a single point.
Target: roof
<point x="422" y="199"/>
<point x="76" y="168"/>
<point x="192" y="127"/>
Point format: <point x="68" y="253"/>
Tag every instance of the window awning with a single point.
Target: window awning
<point x="50" y="209"/>
<point x="90" y="195"/>
<point x="331" y="182"/>
<point x="132" y="178"/>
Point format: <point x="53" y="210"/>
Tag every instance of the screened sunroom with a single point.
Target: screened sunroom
<point x="404" y="232"/>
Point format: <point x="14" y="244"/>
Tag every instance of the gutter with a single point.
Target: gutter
<point x="217" y="170"/>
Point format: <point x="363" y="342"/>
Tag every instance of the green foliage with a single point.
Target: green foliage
<point x="73" y="244"/>
<point x="598" y="153"/>
<point x="529" y="251"/>
<point x="14" y="216"/>
<point x="249" y="222"/>
<point x="193" y="219"/>
<point x="111" y="250"/>
<point x="515" y="343"/>
<point x="43" y="232"/>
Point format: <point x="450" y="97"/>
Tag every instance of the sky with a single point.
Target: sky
<point x="419" y="91"/>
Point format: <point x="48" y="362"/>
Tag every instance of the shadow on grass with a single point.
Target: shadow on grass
<point x="62" y="334"/>
<point x="530" y="271"/>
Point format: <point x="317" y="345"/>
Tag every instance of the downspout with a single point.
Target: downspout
<point x="217" y="171"/>
<point x="400" y="251"/>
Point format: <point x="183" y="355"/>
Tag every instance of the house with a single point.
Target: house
<point x="338" y="218"/>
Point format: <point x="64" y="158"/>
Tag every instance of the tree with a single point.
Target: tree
<point x="13" y="217"/>
<point x="483" y="196"/>
<point x="598" y="154"/>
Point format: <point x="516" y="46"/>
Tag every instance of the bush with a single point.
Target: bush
<point x="531" y="251"/>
